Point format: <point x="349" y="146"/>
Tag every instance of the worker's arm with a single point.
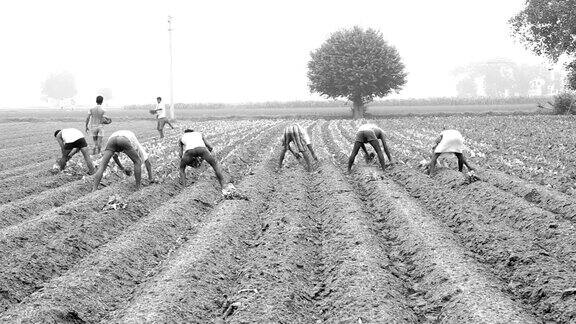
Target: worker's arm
<point x="88" y="120"/>
<point x="74" y="151"/>
<point x="386" y="150"/>
<point x="117" y="160"/>
<point x="149" y="170"/>
<point x="61" y="143"/>
<point x="436" y="142"/>
<point x="208" y="146"/>
<point x="296" y="154"/>
<point x="363" y="147"/>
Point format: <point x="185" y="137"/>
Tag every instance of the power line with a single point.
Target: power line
<point x="171" y="70"/>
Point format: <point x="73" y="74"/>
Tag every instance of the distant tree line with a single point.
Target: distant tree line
<point x="502" y="78"/>
<point x="440" y="101"/>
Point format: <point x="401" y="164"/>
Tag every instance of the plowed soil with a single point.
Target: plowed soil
<point x="393" y="246"/>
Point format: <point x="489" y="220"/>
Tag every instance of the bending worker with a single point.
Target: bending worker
<point x="124" y="141"/>
<point x="296" y="134"/>
<point x="71" y="141"/>
<point x="370" y="133"/>
<point x="193" y="150"/>
<point x="449" y="141"/>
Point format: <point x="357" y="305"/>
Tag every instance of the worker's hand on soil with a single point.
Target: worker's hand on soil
<point x="370" y="157"/>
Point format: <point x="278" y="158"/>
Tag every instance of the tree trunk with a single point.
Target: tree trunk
<point x="357" y="109"/>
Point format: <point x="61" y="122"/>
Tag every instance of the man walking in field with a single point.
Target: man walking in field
<point x="296" y="134"/>
<point x="449" y="141"/>
<point x="124" y="141"/>
<point x="160" y="112"/>
<point x="193" y="149"/>
<point x="95" y="124"/>
<point x="370" y="133"/>
<point x="71" y="140"/>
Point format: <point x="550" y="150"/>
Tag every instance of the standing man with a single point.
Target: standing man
<point x="370" y="133"/>
<point x="71" y="141"/>
<point x="95" y="125"/>
<point x="449" y="141"/>
<point x="124" y="141"/>
<point x="193" y="149"/>
<point x="296" y="134"/>
<point x="161" y="117"/>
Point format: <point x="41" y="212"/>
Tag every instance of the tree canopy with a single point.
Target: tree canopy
<point x="358" y="65"/>
<point x="548" y="27"/>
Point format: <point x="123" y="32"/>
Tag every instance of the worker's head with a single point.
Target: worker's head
<point x="159" y="99"/>
<point x="188" y="130"/>
<point x="56" y="132"/>
<point x="99" y="100"/>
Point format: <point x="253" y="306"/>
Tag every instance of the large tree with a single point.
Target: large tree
<point x="59" y="86"/>
<point x="358" y="65"/>
<point x="548" y="27"/>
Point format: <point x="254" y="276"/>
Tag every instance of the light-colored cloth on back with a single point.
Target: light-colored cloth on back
<point x="452" y="142"/>
<point x="162" y="112"/>
<point x="133" y="142"/>
<point x="71" y="135"/>
<point x="192" y="140"/>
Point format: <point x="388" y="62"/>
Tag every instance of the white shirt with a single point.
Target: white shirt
<point x="192" y="140"/>
<point x="71" y="135"/>
<point x="452" y="142"/>
<point x="162" y="112"/>
<point x="133" y="142"/>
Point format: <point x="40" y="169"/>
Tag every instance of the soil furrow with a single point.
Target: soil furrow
<point x="66" y="192"/>
<point x="21" y="153"/>
<point x="41" y="180"/>
<point x="47" y="246"/>
<point x="276" y="280"/>
<point x="548" y="199"/>
<point x="107" y="277"/>
<point x="530" y="273"/>
<point x="445" y="284"/>
<point x="142" y="130"/>
<point x="534" y="276"/>
<point x="547" y="230"/>
<point x="358" y="282"/>
<point x="194" y="285"/>
<point x="35" y="251"/>
<point x="541" y="196"/>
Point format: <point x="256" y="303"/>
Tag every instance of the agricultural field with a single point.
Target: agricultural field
<point x="244" y="112"/>
<point x="292" y="246"/>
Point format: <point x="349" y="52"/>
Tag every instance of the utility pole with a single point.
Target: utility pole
<point x="171" y="71"/>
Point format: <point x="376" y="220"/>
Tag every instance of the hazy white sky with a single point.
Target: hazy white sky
<point x="235" y="51"/>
